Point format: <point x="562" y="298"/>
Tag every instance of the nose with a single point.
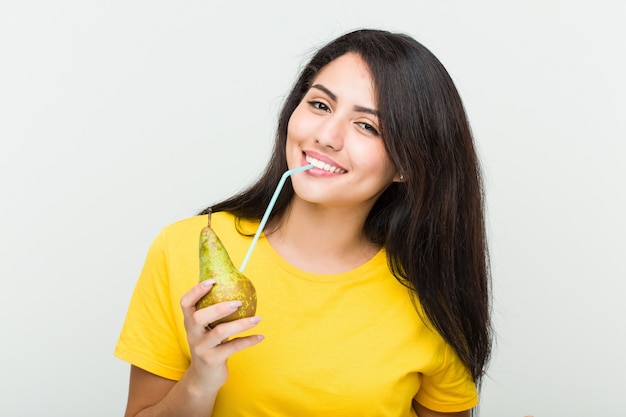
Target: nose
<point x="330" y="133"/>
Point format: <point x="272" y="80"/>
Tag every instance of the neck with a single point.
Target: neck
<point x="321" y="239"/>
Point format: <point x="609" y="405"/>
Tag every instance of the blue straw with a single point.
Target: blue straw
<point x="268" y="210"/>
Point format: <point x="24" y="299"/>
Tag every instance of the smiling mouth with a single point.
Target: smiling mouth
<point x="324" y="166"/>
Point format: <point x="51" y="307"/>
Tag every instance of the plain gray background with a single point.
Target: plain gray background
<point x="120" y="117"/>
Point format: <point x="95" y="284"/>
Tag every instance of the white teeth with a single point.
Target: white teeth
<point x="322" y="165"/>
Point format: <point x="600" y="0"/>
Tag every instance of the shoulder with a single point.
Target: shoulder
<point x="181" y="238"/>
<point x="221" y="222"/>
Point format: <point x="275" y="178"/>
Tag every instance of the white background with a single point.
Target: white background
<point x="119" y="117"/>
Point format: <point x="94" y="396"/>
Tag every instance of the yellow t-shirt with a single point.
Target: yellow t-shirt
<point x="335" y="344"/>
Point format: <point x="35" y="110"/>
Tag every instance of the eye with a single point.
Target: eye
<point x="368" y="128"/>
<point x="319" y="105"/>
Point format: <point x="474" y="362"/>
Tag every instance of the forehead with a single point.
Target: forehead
<point x="347" y="75"/>
<point x="349" y="63"/>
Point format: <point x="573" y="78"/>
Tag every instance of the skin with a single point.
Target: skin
<point x="337" y="123"/>
<point x="194" y="395"/>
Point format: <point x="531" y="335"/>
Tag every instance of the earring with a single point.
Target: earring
<point x="401" y="177"/>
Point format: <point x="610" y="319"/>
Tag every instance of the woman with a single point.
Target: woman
<point x="371" y="275"/>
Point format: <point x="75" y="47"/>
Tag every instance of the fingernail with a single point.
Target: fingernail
<point x="234" y="304"/>
<point x="255" y="319"/>
<point x="208" y="282"/>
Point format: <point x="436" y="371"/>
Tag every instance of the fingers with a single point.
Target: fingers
<point x="188" y="306"/>
<point x="216" y="345"/>
<point x="210" y="347"/>
<point x="190" y="298"/>
<point x="197" y="321"/>
<point x="224" y="350"/>
<point x="206" y="316"/>
<point x="221" y="342"/>
<point x="224" y="331"/>
<point x="195" y="318"/>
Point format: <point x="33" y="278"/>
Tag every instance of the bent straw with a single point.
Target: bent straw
<point x="268" y="210"/>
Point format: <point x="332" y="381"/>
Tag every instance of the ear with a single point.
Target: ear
<point x="398" y="178"/>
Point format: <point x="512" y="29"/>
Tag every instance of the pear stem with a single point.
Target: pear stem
<point x="209" y="211"/>
<point x="268" y="210"/>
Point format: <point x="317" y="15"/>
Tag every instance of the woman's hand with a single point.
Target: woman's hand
<point x="194" y="395"/>
<point x="211" y="347"/>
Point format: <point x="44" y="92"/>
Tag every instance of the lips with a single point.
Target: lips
<point x="324" y="165"/>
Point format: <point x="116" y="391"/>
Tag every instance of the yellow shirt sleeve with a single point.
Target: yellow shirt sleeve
<point x="449" y="388"/>
<point x="150" y="337"/>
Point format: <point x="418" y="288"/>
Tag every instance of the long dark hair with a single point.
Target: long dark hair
<point x="432" y="223"/>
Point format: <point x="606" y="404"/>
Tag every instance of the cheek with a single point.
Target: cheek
<point x="301" y="124"/>
<point x="294" y="126"/>
<point x="376" y="157"/>
<point x="296" y="135"/>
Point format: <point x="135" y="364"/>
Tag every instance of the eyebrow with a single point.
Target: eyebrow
<point x="333" y="97"/>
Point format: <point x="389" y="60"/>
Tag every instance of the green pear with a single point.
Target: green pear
<point x="230" y="284"/>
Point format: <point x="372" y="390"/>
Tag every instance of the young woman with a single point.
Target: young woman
<point x="371" y="274"/>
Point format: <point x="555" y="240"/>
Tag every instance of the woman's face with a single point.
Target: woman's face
<point x="336" y="128"/>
